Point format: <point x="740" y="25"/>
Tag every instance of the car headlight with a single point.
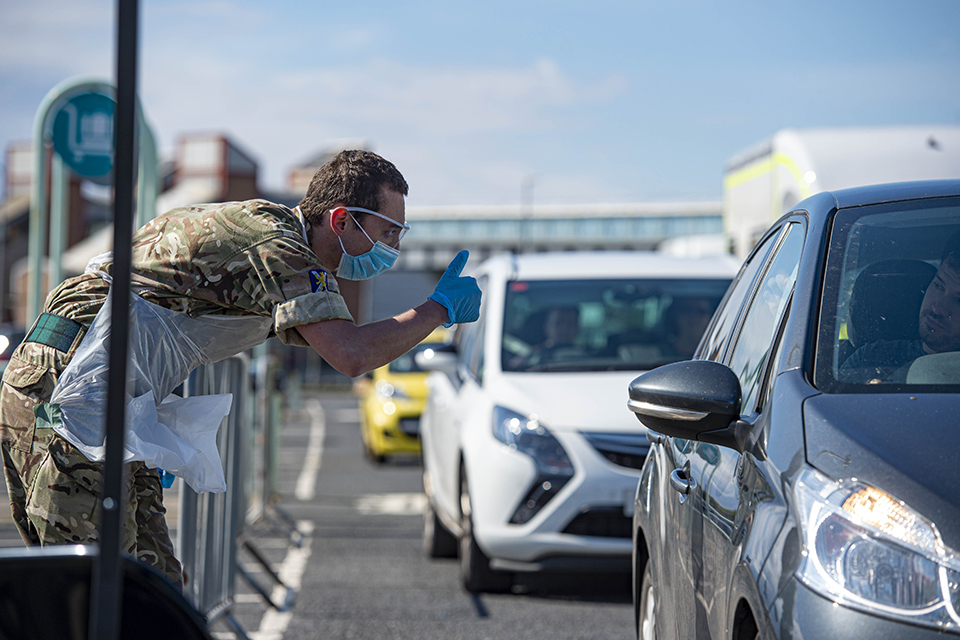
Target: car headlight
<point x="865" y="549"/>
<point x="388" y="390"/>
<point x="554" y="469"/>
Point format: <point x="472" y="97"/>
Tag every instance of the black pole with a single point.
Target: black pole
<point x="107" y="592"/>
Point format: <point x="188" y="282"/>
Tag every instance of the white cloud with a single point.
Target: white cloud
<point x="75" y="37"/>
<point x="442" y="99"/>
<point x="466" y="120"/>
<point x="281" y="117"/>
<point x="224" y="12"/>
<point x="352" y="39"/>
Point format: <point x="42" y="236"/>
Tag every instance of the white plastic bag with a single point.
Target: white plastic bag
<point x="177" y="434"/>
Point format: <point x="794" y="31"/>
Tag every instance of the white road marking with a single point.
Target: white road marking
<point x="391" y="504"/>
<point x="274" y="623"/>
<point x="247" y="598"/>
<point x="307" y="481"/>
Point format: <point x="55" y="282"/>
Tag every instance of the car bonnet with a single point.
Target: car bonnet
<point x="905" y="445"/>
<point x="594" y="401"/>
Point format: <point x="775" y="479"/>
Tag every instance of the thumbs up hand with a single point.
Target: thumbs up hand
<point x="459" y="294"/>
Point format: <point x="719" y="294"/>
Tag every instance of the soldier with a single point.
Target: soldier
<point x="254" y="260"/>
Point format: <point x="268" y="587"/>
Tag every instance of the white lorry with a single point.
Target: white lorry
<point x="766" y="180"/>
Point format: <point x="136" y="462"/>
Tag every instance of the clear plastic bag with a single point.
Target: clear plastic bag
<point x="177" y="434"/>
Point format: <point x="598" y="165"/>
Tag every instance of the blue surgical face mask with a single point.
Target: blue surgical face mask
<point x="366" y="265"/>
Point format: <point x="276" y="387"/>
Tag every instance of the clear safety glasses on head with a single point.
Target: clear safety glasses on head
<point x="379" y="258"/>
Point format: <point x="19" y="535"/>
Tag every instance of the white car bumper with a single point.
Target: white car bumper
<point x="598" y="499"/>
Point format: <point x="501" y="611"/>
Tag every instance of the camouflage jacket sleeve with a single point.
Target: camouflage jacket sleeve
<point x="294" y="286"/>
<point x="237" y="258"/>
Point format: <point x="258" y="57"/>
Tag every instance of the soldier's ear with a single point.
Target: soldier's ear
<point x="338" y="219"/>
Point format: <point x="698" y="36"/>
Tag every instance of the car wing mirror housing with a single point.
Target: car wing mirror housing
<point x="443" y="359"/>
<point x="693" y="400"/>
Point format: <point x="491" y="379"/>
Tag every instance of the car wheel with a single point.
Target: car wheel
<point x="647" y="614"/>
<point x="437" y="541"/>
<point x="475" y="568"/>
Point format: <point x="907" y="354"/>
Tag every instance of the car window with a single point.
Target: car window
<point x="724" y="324"/>
<point x="749" y="355"/>
<point x="476" y="356"/>
<point x="890" y="313"/>
<point x="469" y="339"/>
<point x="464" y="339"/>
<point x="605" y="324"/>
<point x="770" y="377"/>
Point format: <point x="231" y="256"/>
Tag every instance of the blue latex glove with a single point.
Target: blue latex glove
<point x="166" y="478"/>
<point x="459" y="294"/>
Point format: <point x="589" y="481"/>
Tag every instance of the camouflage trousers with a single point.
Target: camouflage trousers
<point x="55" y="491"/>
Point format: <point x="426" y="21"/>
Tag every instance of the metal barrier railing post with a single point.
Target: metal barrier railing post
<point x="212" y="527"/>
<point x="275" y="407"/>
<point x="210" y="524"/>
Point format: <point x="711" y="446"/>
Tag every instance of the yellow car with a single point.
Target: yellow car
<point x="391" y="400"/>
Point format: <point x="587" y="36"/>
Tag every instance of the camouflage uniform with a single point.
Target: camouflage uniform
<point x="237" y="258"/>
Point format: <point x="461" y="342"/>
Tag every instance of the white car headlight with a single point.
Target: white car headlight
<point x="865" y="549"/>
<point x="387" y="390"/>
<point x="526" y="435"/>
<point x="554" y="468"/>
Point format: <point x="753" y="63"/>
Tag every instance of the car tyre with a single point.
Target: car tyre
<point x="647" y="611"/>
<point x="475" y="568"/>
<point x="437" y="541"/>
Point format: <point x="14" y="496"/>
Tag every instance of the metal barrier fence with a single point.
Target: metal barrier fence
<point x="212" y="525"/>
<point x="209" y="523"/>
<point x="214" y="529"/>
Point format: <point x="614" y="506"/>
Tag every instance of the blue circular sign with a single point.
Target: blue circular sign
<point x="83" y="135"/>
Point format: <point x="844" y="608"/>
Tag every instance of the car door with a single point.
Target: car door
<point x="681" y="547"/>
<point x="452" y="407"/>
<point x="444" y="432"/>
<point x="674" y="571"/>
<point x="729" y="485"/>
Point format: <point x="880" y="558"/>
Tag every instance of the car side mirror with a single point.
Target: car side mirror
<point x="693" y="400"/>
<point x="443" y="359"/>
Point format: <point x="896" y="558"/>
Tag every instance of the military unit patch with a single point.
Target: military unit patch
<point x="55" y="331"/>
<point x="318" y="280"/>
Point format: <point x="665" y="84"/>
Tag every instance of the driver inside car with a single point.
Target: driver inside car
<point x="939" y="330"/>
<point x="561" y="327"/>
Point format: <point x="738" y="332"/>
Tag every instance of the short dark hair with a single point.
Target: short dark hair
<point x="354" y="178"/>
<point x="951" y="252"/>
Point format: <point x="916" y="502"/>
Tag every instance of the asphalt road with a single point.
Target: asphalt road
<point x="359" y="572"/>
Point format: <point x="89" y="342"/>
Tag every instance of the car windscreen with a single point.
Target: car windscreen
<point x="605" y="325"/>
<point x="407" y="362"/>
<point x="890" y="317"/>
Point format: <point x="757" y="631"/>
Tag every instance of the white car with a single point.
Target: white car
<point x="531" y="458"/>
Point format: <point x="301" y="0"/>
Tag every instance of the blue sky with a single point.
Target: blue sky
<point x="601" y="101"/>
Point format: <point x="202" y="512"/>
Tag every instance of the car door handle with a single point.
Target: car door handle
<point x="681" y="483"/>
